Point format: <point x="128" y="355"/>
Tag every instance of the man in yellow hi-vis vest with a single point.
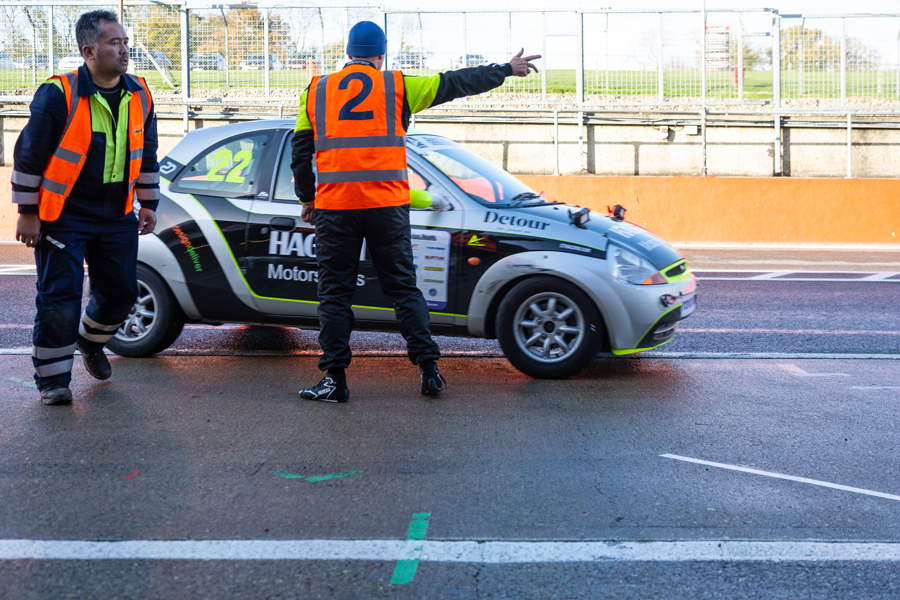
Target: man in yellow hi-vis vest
<point x="87" y="153"/>
<point x="354" y="122"/>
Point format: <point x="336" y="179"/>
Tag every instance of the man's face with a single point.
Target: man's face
<point x="110" y="57"/>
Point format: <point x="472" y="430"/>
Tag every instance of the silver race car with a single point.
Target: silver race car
<point x="555" y="284"/>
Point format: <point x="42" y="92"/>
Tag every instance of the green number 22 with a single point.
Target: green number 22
<point x="224" y="157"/>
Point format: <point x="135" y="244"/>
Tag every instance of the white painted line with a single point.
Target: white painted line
<point x="814" y="280"/>
<point x="499" y="354"/>
<point x="771" y="275"/>
<point x="835" y="486"/>
<point x="795" y="370"/>
<point x="878" y="276"/>
<point x="733" y="246"/>
<point x="875" y="387"/>
<point x="804" y="264"/>
<point x="787" y="331"/>
<point x="494" y="552"/>
<point x="755" y="355"/>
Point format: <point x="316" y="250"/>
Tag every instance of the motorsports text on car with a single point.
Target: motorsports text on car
<point x="555" y="284"/>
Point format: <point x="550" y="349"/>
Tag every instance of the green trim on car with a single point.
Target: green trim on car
<point x="649" y="329"/>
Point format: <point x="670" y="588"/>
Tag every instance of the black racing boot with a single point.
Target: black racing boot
<point x="56" y="393"/>
<point x="95" y="363"/>
<point x="330" y="389"/>
<point x="432" y="381"/>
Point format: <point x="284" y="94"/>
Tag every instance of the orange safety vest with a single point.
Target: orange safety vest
<point x="360" y="141"/>
<point x="67" y="161"/>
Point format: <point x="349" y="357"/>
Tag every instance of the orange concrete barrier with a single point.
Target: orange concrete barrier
<point x="717" y="210"/>
<point x="742" y="210"/>
<point x="8" y="210"/>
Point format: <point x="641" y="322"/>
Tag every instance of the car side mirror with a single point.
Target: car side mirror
<point x="420" y="199"/>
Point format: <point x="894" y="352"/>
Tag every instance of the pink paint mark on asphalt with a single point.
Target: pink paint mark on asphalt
<point x="131" y="475"/>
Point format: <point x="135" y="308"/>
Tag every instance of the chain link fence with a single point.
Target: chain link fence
<point x="600" y="58"/>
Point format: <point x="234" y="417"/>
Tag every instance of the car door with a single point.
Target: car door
<point x="281" y="263"/>
<point x="281" y="259"/>
<point x="215" y="192"/>
<point x="436" y="239"/>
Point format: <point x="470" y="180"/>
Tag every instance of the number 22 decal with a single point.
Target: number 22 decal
<point x="347" y="113"/>
<point x="224" y="157"/>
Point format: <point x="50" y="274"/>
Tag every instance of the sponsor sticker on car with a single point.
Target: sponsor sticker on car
<point x="431" y="250"/>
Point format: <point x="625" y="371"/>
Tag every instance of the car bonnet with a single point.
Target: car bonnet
<point x="553" y="222"/>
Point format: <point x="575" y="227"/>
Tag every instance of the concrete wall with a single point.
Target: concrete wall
<point x="630" y="150"/>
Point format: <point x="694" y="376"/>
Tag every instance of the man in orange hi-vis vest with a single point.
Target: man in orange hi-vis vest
<point x="87" y="153"/>
<point x="354" y="123"/>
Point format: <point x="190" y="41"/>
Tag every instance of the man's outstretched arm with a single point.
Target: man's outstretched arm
<point x="425" y="92"/>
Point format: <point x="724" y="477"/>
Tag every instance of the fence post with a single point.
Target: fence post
<point x="849" y="145"/>
<point x="778" y="167"/>
<point x="800" y="48"/>
<point x="843" y="61"/>
<point x="776" y="60"/>
<point x="606" y="56"/>
<point x="266" y="48"/>
<point x="740" y="51"/>
<point x="227" y="55"/>
<point x="556" y="141"/>
<point x="703" y="93"/>
<point x="579" y="91"/>
<point x="508" y="34"/>
<point x="659" y="56"/>
<point x="387" y="63"/>
<point x="465" y="41"/>
<point x="544" y="55"/>
<point x="185" y="60"/>
<point x="33" y="52"/>
<point x="50" y="40"/>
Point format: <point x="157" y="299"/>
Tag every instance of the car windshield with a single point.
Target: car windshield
<point x="477" y="177"/>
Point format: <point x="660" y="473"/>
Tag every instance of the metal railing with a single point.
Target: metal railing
<point x="749" y="58"/>
<point x="256" y="58"/>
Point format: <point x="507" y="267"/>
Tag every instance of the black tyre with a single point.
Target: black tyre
<point x="548" y="328"/>
<point x="154" y="323"/>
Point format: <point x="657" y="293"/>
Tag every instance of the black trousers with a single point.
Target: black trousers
<point x="339" y="238"/>
<point x="111" y="250"/>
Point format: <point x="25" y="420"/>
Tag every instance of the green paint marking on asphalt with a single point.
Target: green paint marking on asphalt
<point x="288" y="475"/>
<point x="335" y="476"/>
<point x="30" y="384"/>
<point x="406" y="567"/>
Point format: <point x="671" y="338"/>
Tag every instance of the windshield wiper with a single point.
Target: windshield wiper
<point x="520" y="199"/>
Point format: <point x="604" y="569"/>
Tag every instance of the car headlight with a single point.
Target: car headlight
<point x="628" y="267"/>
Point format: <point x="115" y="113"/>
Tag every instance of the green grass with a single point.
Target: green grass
<point x="684" y="84"/>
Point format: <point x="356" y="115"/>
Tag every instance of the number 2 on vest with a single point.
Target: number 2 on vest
<point x="347" y="113"/>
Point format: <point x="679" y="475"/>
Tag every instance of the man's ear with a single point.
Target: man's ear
<point x="87" y="52"/>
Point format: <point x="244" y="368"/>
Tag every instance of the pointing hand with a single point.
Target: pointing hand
<point x="521" y="65"/>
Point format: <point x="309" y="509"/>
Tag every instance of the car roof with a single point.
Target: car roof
<point x="199" y="139"/>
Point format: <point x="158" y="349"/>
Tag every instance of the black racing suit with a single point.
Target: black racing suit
<point x="340" y="233"/>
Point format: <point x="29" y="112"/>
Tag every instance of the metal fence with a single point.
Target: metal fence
<point x="755" y="59"/>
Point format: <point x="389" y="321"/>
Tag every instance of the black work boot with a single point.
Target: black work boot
<point x="330" y="389"/>
<point x="432" y="381"/>
<point x="95" y="363"/>
<point x="56" y="393"/>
